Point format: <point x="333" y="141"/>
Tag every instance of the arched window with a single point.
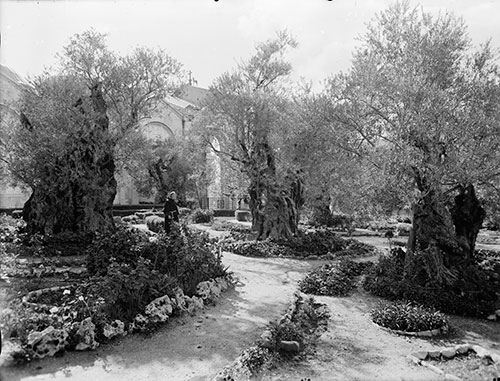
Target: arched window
<point x="157" y="131"/>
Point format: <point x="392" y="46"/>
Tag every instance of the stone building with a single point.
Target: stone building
<point x="10" y="89"/>
<point x="172" y="121"/>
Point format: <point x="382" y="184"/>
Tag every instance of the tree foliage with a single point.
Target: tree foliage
<point x="425" y="104"/>
<point x="79" y="125"/>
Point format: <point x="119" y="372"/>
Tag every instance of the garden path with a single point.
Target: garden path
<point x="196" y="348"/>
<point x="187" y="348"/>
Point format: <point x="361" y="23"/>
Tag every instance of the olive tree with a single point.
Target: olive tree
<point x="248" y="113"/>
<point x="79" y="126"/>
<point x="424" y="103"/>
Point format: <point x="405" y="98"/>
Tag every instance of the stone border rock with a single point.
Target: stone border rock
<point x="448" y="354"/>
<point x="162" y="308"/>
<point x="428" y="333"/>
<point x="51" y="340"/>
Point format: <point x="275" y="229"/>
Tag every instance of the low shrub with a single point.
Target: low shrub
<point x="286" y="331"/>
<point x="408" y="317"/>
<point x="201" y="216"/>
<point x="188" y="256"/>
<point x="9" y="228"/>
<point x="120" y="245"/>
<point x="155" y="223"/>
<point x="184" y="212"/>
<point x="129" y="289"/>
<point x="243" y="215"/>
<point x="254" y="359"/>
<point x="317" y="243"/>
<point x="473" y="292"/>
<point x="324" y="217"/>
<point x="335" y="279"/>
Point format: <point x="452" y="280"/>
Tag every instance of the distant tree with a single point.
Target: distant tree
<point x="247" y="112"/>
<point x="79" y="126"/>
<point x="170" y="165"/>
<point x="426" y="106"/>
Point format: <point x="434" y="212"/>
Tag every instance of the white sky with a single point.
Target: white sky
<point x="209" y="37"/>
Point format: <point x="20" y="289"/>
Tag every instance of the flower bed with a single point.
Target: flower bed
<point x="333" y="279"/>
<point x="410" y="319"/>
<point x="133" y="284"/>
<point x="316" y="244"/>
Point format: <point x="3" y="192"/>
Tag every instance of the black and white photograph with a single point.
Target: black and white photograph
<point x="236" y="190"/>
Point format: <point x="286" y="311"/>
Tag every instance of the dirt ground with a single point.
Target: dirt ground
<point x="196" y="348"/>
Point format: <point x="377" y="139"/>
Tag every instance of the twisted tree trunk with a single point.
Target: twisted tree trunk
<point x="446" y="227"/>
<point x="275" y="206"/>
<point x="76" y="193"/>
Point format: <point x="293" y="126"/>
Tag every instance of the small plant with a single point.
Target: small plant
<point x="336" y="279"/>
<point x="472" y="293"/>
<point x="286" y="331"/>
<point x="121" y="245"/>
<point x="408" y="317"/>
<point x="254" y="358"/>
<point x="202" y="216"/>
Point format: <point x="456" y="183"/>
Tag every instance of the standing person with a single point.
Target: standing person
<point x="171" y="211"/>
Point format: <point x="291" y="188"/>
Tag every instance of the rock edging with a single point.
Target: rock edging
<point x="244" y="367"/>
<point x="449" y="353"/>
<point x="428" y="333"/>
<point x="81" y="335"/>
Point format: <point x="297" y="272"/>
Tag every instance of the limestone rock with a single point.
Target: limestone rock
<point x="267" y="339"/>
<point x="224" y="284"/>
<point x="159" y="310"/>
<point x="448" y="353"/>
<point x="116" y="328"/>
<point x="463" y="349"/>
<point x="139" y="324"/>
<point x="86" y="335"/>
<point x="289" y="346"/>
<point x="194" y="303"/>
<point x="203" y="289"/>
<point x="421" y="355"/>
<point x="47" y="342"/>
<point x="434" y="354"/>
<point x="179" y="300"/>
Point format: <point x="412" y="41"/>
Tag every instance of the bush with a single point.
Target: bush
<point x="120" y="245"/>
<point x="336" y="279"/>
<point x="155" y="223"/>
<point x="408" y="317"/>
<point x="286" y="331"/>
<point x="129" y="289"/>
<point x="472" y="293"/>
<point x="200" y="216"/>
<point x="318" y="243"/>
<point x="254" y="358"/>
<point x="324" y="217"/>
<point x="243" y="215"/>
<point x="9" y="228"/>
<point x="184" y="212"/>
<point x="187" y="255"/>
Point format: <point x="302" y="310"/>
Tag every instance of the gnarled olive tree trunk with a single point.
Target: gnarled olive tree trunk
<point x="275" y="205"/>
<point x="446" y="227"/>
<point x="76" y="193"/>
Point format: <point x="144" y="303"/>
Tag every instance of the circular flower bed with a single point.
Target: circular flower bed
<point x="410" y="319"/>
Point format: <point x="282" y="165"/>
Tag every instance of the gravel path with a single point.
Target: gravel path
<point x="196" y="348"/>
<point x="187" y="348"/>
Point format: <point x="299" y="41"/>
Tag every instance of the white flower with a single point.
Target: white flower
<point x="81" y="299"/>
<point x="66" y="292"/>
